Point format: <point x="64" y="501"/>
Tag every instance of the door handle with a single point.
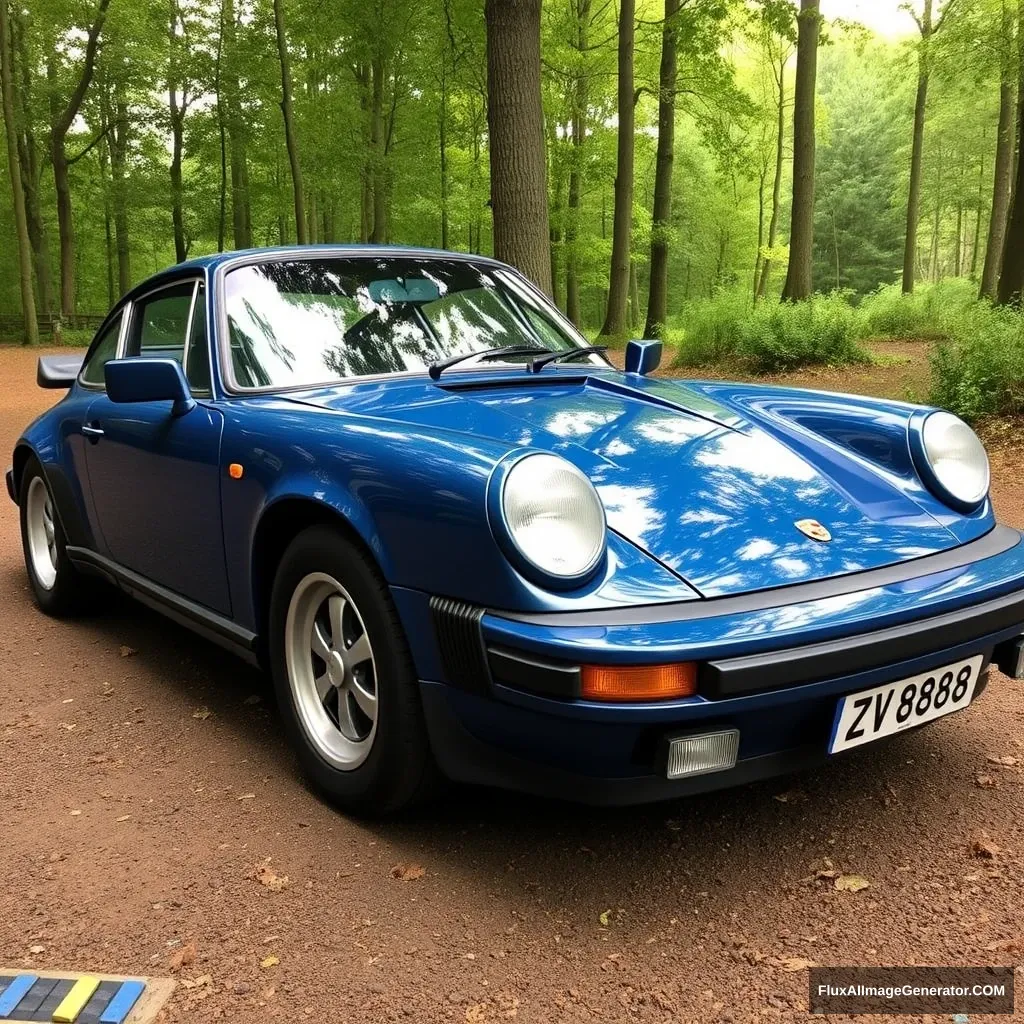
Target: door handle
<point x="93" y="432"/>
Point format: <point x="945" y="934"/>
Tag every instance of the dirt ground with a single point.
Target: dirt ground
<point x="153" y="822"/>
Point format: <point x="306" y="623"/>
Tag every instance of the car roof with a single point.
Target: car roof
<point x="353" y="250"/>
<point x="209" y="263"/>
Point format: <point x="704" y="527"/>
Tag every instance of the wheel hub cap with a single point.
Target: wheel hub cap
<point x="331" y="671"/>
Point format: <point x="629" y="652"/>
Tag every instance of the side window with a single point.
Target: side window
<point x="160" y="323"/>
<point x="102" y="352"/>
<point x="197" y="361"/>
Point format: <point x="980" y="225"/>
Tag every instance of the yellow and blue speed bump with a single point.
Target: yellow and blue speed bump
<point x="64" y="998"/>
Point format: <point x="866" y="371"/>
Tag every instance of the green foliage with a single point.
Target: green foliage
<point x="979" y="370"/>
<point x="772" y="337"/>
<point x="784" y="335"/>
<point x="923" y="316"/>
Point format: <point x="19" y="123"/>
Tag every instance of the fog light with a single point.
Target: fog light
<point x="703" y="754"/>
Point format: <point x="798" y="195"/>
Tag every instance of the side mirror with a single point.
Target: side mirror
<point x="643" y="357"/>
<point x="148" y="380"/>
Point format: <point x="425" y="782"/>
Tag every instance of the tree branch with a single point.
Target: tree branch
<point x="99" y="138"/>
<point x="71" y="110"/>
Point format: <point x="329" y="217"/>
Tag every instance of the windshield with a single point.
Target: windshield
<point x="309" y="321"/>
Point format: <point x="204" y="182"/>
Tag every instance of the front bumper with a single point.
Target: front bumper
<point x="500" y="708"/>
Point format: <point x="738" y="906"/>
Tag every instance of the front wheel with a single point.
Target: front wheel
<point x="344" y="677"/>
<point x="56" y="584"/>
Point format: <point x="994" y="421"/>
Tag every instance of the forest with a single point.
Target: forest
<point x="744" y="178"/>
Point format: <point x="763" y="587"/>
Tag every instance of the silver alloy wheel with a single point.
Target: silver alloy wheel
<point x="42" y="536"/>
<point x="331" y="671"/>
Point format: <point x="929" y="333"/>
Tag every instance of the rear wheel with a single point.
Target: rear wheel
<point x="344" y="677"/>
<point x="56" y="584"/>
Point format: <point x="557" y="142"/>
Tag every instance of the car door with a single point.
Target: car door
<point x="154" y="477"/>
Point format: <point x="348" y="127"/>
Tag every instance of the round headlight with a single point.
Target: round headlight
<point x="554" y="516"/>
<point x="956" y="458"/>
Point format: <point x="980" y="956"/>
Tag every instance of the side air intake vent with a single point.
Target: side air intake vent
<point x="457" y="626"/>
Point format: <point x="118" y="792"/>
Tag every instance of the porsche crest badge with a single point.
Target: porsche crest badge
<point x="813" y="529"/>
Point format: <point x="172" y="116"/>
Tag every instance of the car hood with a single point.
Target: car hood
<point x="710" y="494"/>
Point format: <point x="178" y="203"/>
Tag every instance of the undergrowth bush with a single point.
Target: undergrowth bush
<point x="925" y="315"/>
<point x="978" y="370"/>
<point x="770" y="337"/>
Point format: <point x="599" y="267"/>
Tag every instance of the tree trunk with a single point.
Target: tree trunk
<point x="290" y="141"/>
<point x="615" y="321"/>
<point x="108" y="219"/>
<point x="780" y="153"/>
<point x="799" y="283"/>
<point x="379" y="233"/>
<point x="28" y="299"/>
<point x="917" y="155"/>
<point x="519" y="191"/>
<point x="442" y="131"/>
<point x="1011" y="279"/>
<point x="1003" y="167"/>
<point x="580" y="100"/>
<point x="657" y="295"/>
<point x="61" y="119"/>
<point x="218" y="82"/>
<point x="937" y="223"/>
<point x="28" y="154"/>
<point x="116" y="118"/>
<point x="241" y="215"/>
<point x="176" y="116"/>
<point x="979" y="209"/>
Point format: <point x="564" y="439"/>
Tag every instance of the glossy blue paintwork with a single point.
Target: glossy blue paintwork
<point x="702" y="483"/>
<point x="148" y="380"/>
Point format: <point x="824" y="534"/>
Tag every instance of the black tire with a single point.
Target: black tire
<point x="399" y="770"/>
<point x="64" y="595"/>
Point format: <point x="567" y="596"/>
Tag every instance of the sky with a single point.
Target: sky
<point x="884" y="16"/>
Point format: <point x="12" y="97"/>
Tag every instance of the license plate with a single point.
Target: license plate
<point x="872" y="714"/>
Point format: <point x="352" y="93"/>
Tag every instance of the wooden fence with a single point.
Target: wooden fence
<point x="12" y="325"/>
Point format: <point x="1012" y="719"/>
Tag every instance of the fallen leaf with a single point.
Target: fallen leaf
<point x="183" y="957"/>
<point x="1006" y="946"/>
<point x="824" y="868"/>
<point x="851" y="883"/>
<point x="126" y="651"/>
<point x="269" y="878"/>
<point x="792" y="964"/>
<point x="269" y="961"/>
<point x="791" y="796"/>
<point x="1005" y="761"/>
<point x="36" y="950"/>
<point x="984" y="850"/>
<point x="246" y="796"/>
<point x="201" y="713"/>
<point x="75" y="814"/>
<point x="408" y="872"/>
<point x="124" y="817"/>
<point x="986" y="782"/>
<point x="605" y="918"/>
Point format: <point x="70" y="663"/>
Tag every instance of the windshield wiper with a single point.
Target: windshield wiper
<point x="574" y="353"/>
<point x="436" y="369"/>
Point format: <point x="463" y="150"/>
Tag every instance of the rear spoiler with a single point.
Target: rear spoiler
<point x="58" y="372"/>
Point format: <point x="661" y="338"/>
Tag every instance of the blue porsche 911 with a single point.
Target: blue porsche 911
<point x="465" y="545"/>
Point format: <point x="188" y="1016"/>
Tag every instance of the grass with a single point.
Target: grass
<point x="770" y="337"/>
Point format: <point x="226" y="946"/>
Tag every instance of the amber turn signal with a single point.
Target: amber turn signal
<point x="235" y="471"/>
<point x="638" y="682"/>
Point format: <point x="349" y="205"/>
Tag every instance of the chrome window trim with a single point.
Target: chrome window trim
<point x="140" y="299"/>
<point x="203" y="308"/>
<point x="232" y="388"/>
<point x="122" y="311"/>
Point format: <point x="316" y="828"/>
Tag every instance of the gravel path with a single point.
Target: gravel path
<point x="155" y="823"/>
